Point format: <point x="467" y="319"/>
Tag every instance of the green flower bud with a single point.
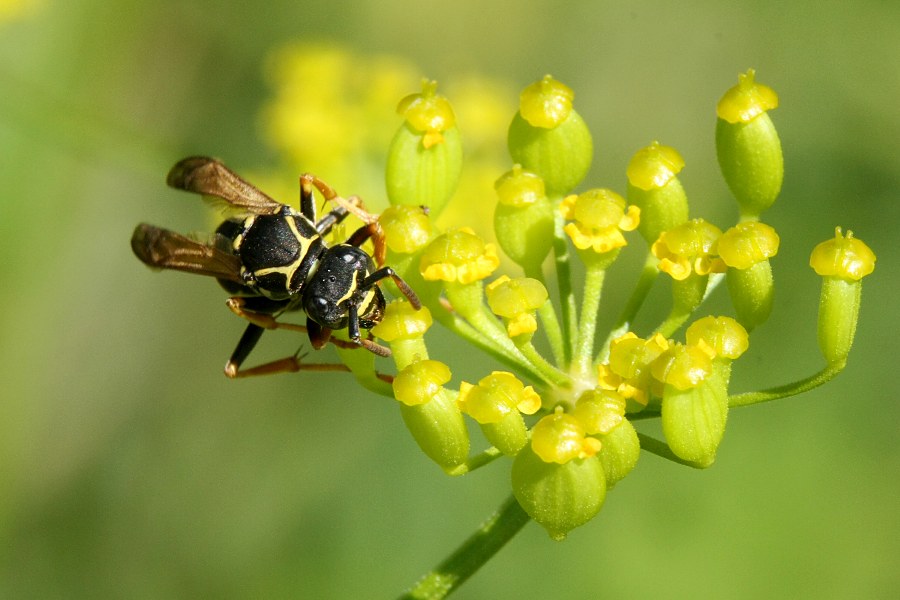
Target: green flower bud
<point x="404" y="328"/>
<point x="619" y="453"/>
<point x="497" y="403"/>
<point x="523" y="219"/>
<point x="440" y="430"/>
<point x="549" y="138"/>
<point x="746" y="249"/>
<point x="842" y="262"/>
<point x="420" y="382"/>
<point x="683" y="366"/>
<point x="723" y="337"/>
<point x="559" y="497"/>
<point x="424" y="161"/>
<point x="747" y="145"/>
<point x="516" y="300"/>
<point x="687" y="253"/>
<point x="693" y="419"/>
<point x="653" y="186"/>
<point x="407" y="229"/>
<point x="602" y="413"/>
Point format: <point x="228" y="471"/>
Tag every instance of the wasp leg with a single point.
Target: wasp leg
<point x="374" y="232"/>
<point x="384" y="273"/>
<point x="289" y="364"/>
<point x="352" y="204"/>
<point x="258" y="311"/>
<point x="353" y="332"/>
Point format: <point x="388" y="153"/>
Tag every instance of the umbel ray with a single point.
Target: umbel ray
<point x="274" y="259"/>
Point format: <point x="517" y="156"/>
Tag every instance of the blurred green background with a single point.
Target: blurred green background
<point x="131" y="468"/>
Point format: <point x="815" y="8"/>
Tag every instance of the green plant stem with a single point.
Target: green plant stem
<point x="476" y="462"/>
<point x="790" y="389"/>
<point x="552" y="331"/>
<point x="550" y="372"/>
<point x="564" y="284"/>
<point x="661" y="449"/>
<point x="623" y="324"/>
<point x="587" y="328"/>
<point x="676" y="318"/>
<point x="490" y="537"/>
<point x="465" y="331"/>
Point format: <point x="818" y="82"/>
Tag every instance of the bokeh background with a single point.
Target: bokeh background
<point x="131" y="468"/>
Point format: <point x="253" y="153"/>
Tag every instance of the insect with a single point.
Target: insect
<point x="273" y="259"/>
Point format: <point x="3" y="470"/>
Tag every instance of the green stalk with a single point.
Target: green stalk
<point x="564" y="284"/>
<point x="790" y="389"/>
<point x="487" y="540"/>
<point x="590" y="305"/>
<point x="661" y="449"/>
<point x="550" y="372"/>
<point x="641" y="290"/>
<point x="510" y="356"/>
<point x="553" y="332"/>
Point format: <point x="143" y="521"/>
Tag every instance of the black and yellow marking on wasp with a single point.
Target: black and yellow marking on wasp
<point x="274" y="260"/>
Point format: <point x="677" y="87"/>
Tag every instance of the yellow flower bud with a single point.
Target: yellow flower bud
<point x="653" y="186"/>
<point x="497" y="403"/>
<point x="844" y="257"/>
<point x="424" y="160"/>
<point x="689" y="248"/>
<point x="406" y="228"/>
<point x="459" y="256"/>
<point x="429" y="113"/>
<point x="516" y="300"/>
<point x="628" y="369"/>
<point x="747" y="145"/>
<point x="560" y="437"/>
<point x="599" y="411"/>
<point x="723" y="335"/>
<point x="402" y="322"/>
<point x="598" y="218"/>
<point x="746" y="249"/>
<point x="420" y="381"/>
<point x="549" y="138"/>
<point x="523" y="218"/>
<point x="546" y="103"/>
<point x="842" y="262"/>
<point x="682" y="366"/>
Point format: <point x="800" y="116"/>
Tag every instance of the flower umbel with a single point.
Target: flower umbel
<point x="562" y="406"/>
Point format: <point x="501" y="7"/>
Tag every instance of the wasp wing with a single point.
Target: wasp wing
<point x="208" y="176"/>
<point x="164" y="249"/>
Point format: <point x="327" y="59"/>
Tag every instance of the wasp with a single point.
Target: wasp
<point x="273" y="259"/>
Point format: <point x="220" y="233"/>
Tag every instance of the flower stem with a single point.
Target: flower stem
<point x="564" y="283"/>
<point x="551" y="373"/>
<point x="790" y="389"/>
<point x="553" y="332"/>
<point x="508" y="355"/>
<point x="492" y="535"/>
<point x="623" y="324"/>
<point x="590" y="304"/>
<point x="661" y="449"/>
<point x="476" y="462"/>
